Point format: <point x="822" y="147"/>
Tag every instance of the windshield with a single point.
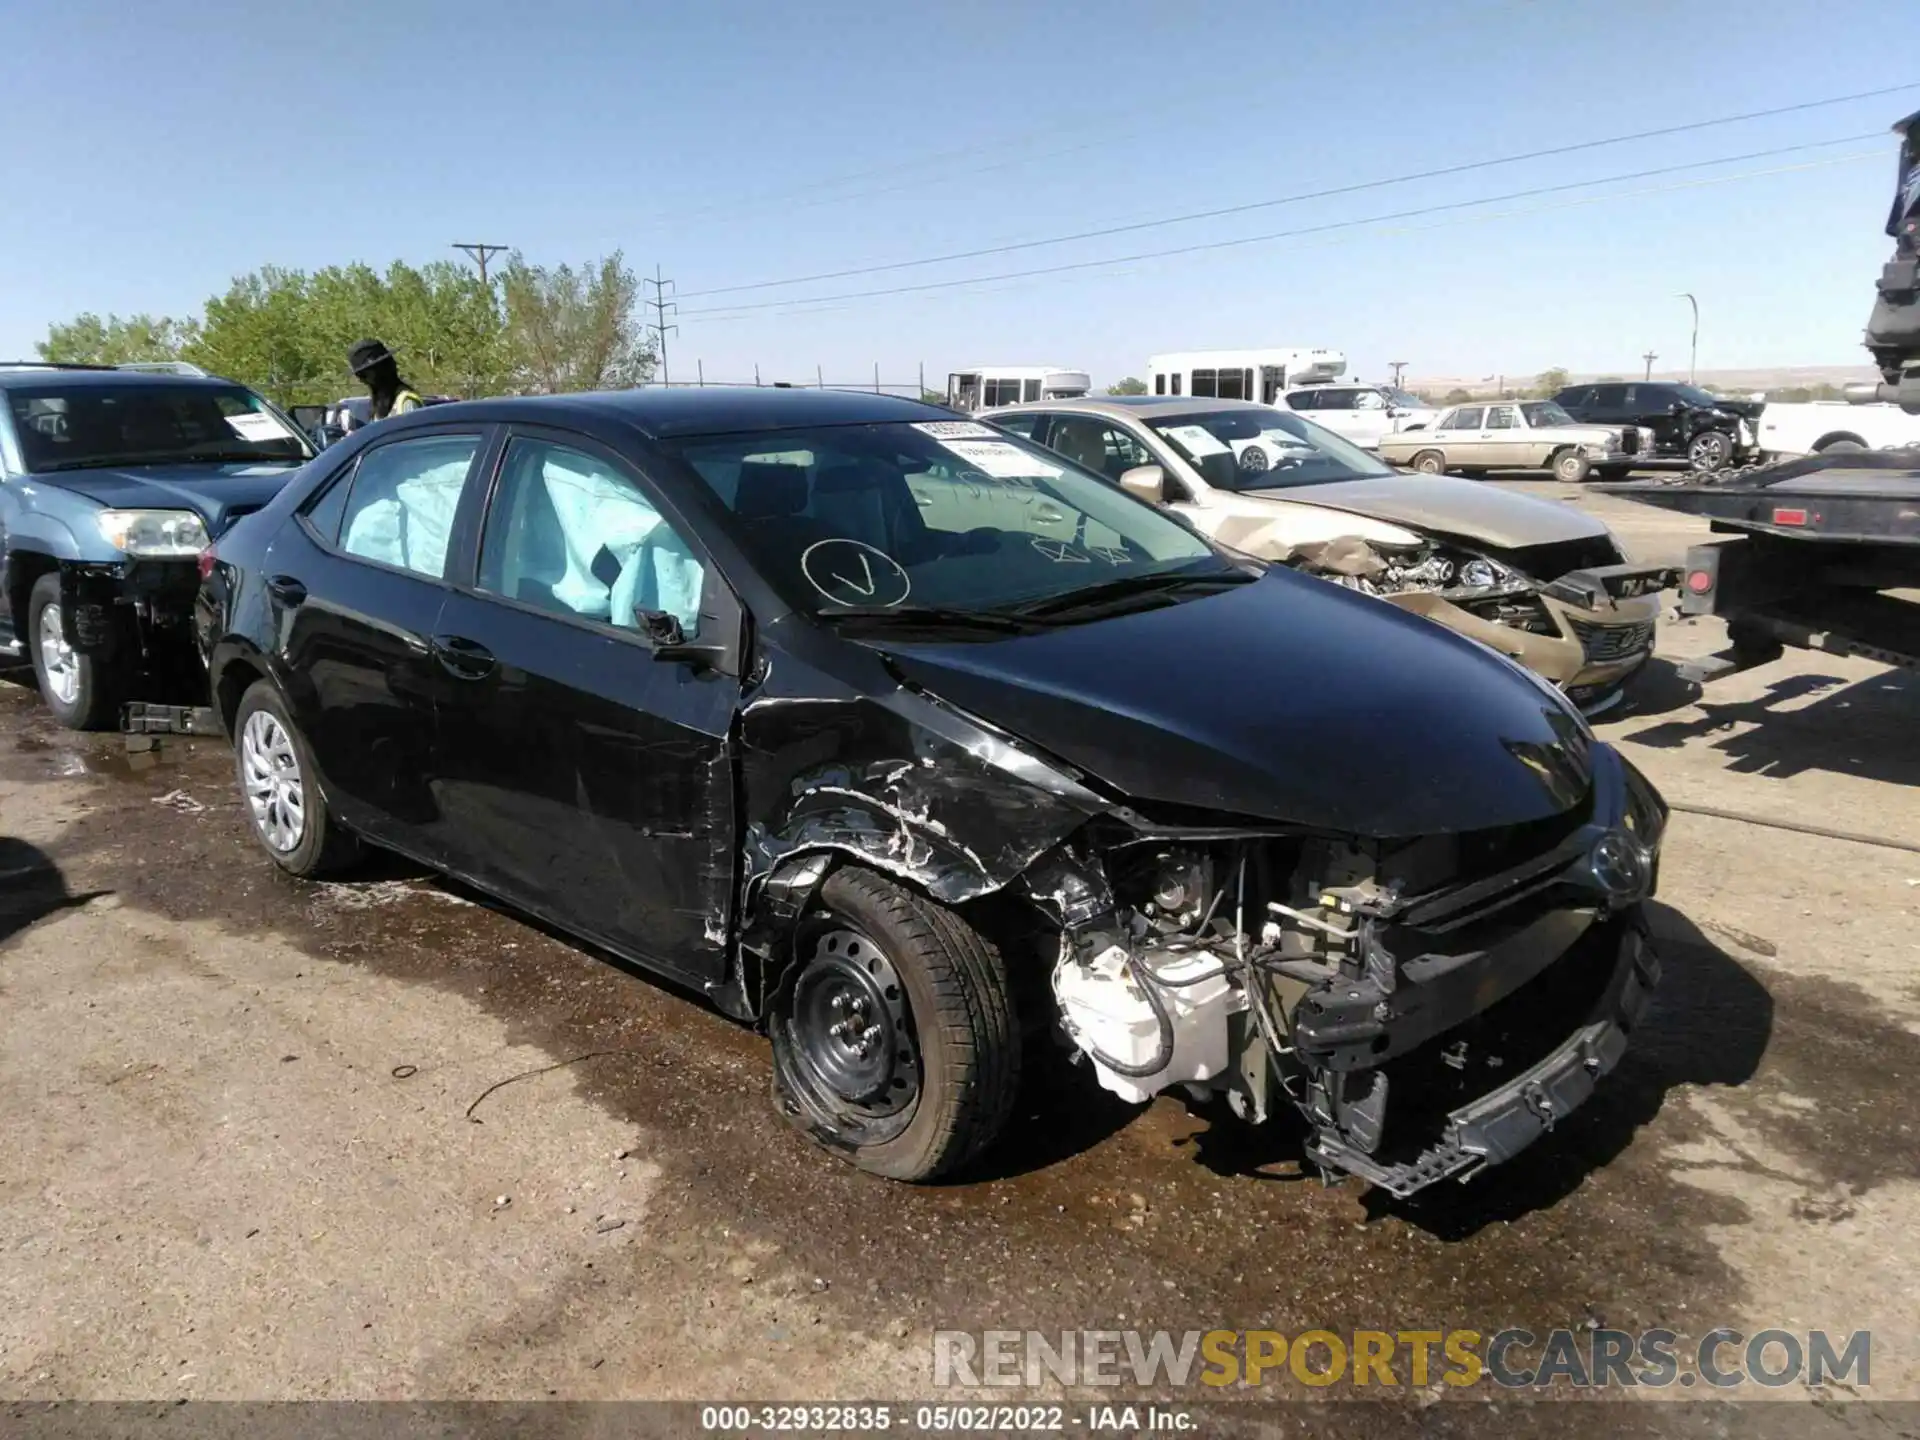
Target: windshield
<point x="948" y="514"/>
<point x="1251" y="447"/>
<point x="78" y="427"/>
<point x="1405" y="400"/>
<point x="1542" y="413"/>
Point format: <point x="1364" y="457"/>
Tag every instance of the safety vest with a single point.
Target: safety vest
<point x="406" y="400"/>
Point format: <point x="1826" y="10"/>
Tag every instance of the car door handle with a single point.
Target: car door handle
<point x="462" y="658"/>
<point x="286" y="589"/>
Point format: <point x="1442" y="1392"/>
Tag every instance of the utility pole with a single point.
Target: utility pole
<point x="1693" y="349"/>
<point x="661" y="306"/>
<point x="1649" y="357"/>
<point x="1396" y="366"/>
<point x="480" y="255"/>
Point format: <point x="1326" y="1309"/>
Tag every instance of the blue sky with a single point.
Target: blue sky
<point x="155" y="150"/>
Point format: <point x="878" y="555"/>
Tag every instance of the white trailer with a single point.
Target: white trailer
<point x="1813" y="426"/>
<point x="1242" y="374"/>
<point x="988" y="387"/>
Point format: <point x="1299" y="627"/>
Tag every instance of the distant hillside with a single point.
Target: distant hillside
<point x="1731" y="382"/>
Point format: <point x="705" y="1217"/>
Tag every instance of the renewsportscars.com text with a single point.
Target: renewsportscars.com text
<point x="1722" y="1359"/>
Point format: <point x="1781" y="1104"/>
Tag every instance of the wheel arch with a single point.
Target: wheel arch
<point x="1839" y="437"/>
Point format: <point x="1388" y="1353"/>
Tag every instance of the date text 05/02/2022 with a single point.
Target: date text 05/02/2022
<point x="949" y="1419"/>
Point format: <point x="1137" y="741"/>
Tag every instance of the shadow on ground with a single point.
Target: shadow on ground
<point x="1808" y="722"/>
<point x="32" y="887"/>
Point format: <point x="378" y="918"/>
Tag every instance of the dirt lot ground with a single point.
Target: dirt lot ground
<point x="247" y="1153"/>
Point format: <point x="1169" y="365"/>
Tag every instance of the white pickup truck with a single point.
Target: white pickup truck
<point x="1812" y="426"/>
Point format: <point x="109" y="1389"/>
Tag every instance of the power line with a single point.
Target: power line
<point x="999" y="144"/>
<point x="1201" y="247"/>
<point x="1215" y="214"/>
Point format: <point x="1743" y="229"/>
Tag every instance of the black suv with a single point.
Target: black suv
<point x="1687" y="423"/>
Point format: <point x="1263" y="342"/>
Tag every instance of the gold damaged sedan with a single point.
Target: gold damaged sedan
<point x="1538" y="581"/>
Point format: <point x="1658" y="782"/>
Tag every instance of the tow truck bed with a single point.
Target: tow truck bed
<point x="1819" y="552"/>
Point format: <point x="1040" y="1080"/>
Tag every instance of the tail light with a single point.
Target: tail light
<point x="207" y="557"/>
<point x="1699" y="581"/>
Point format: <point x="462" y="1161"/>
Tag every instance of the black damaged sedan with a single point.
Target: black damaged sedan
<point x="915" y="744"/>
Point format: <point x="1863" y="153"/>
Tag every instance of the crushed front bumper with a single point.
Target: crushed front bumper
<point x="1504" y="1121"/>
<point x="1605" y="620"/>
<point x="94" y="594"/>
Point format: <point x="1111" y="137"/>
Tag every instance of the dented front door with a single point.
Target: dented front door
<point x="580" y="775"/>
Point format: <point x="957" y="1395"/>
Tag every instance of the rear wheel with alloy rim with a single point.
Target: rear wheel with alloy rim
<point x="288" y="813"/>
<point x="894" y="1042"/>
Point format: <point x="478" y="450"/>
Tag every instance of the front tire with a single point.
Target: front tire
<point x="894" y="1039"/>
<point x="1430" y="462"/>
<point x="1843" y="446"/>
<point x="80" y="689"/>
<point x="1571" y="467"/>
<point x="281" y="789"/>
<point x="1709" y="451"/>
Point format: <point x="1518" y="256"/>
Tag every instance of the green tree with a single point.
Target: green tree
<point x="575" y="329"/>
<point x="932" y="397"/>
<point x="89" y="340"/>
<point x="1549" y="383"/>
<point x="1456" y="396"/>
<point x="1132" y="385"/>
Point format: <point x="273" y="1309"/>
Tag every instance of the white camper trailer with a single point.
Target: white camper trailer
<point x="987" y="387"/>
<point x="1242" y="374"/>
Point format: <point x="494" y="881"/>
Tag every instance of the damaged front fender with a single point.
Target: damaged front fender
<point x="900" y="783"/>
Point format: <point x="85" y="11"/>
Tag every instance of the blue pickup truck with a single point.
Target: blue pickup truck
<point x="112" y="482"/>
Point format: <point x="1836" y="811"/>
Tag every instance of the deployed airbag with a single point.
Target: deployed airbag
<point x="600" y="511"/>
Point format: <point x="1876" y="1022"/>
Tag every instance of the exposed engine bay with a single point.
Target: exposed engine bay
<point x="1427" y="1007"/>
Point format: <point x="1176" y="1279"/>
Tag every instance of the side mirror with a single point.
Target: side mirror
<point x="1146" y="482"/>
<point x="668" y="641"/>
<point x="1394" y="412"/>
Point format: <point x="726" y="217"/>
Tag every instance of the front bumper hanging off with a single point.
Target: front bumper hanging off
<point x="1504" y="1121"/>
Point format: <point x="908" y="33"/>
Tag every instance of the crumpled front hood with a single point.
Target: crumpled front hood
<point x="212" y="491"/>
<point x="1469" y="509"/>
<point x="1290" y="699"/>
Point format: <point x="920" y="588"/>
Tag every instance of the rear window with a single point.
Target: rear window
<point x="88" y="426"/>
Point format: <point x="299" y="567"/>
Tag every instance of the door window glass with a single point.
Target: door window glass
<point x="1467" y="419"/>
<point x="1104" y="449"/>
<point x="1205" y="383"/>
<point x="1369" y="400"/>
<point x="403" y="495"/>
<point x="1611" y="397"/>
<point x="1302" y="400"/>
<point x="1022" y="425"/>
<point x="1031" y="390"/>
<point x="569" y="533"/>
<point x="1500" y="417"/>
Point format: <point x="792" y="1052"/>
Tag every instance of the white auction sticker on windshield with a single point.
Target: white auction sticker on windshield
<point x="957" y="430"/>
<point x="1001" y="460"/>
<point x="257" y="427"/>
<point x="1198" y="441"/>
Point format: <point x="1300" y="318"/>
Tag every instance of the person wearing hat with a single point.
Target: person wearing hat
<point x="373" y="364"/>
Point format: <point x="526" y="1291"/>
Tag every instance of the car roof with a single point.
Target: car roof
<point x="659" y="413"/>
<point x="74" y="377"/>
<point x="1119" y="406"/>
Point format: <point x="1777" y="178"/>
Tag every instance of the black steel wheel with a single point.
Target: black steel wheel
<point x="894" y="1042"/>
